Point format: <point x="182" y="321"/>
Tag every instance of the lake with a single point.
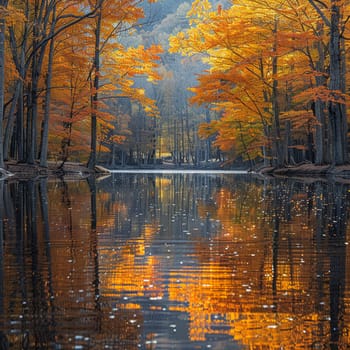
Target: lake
<point x="168" y="260"/>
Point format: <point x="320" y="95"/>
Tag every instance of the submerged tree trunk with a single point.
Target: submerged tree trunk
<point x="2" y="274"/>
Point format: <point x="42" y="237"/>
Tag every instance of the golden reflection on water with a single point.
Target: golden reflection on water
<point x="175" y="261"/>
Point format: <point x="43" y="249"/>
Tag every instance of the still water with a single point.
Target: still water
<point x="174" y="261"/>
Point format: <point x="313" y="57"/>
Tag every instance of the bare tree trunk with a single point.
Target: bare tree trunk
<point x="32" y="102"/>
<point x="276" y="128"/>
<point x="18" y="50"/>
<point x="336" y="112"/>
<point x="20" y="127"/>
<point x="320" y="134"/>
<point x="42" y="12"/>
<point x="94" y="98"/>
<point x="11" y="120"/>
<point x="45" y="134"/>
<point x="190" y="150"/>
<point x="3" y="3"/>
<point x="287" y="142"/>
<point x="175" y="152"/>
<point x="343" y="106"/>
<point x="96" y="85"/>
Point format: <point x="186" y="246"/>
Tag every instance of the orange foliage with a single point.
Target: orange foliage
<point x="252" y="47"/>
<point x="72" y="72"/>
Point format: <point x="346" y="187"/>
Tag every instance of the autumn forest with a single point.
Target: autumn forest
<point x="255" y="81"/>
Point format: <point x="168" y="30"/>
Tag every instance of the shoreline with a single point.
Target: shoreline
<point x="310" y="173"/>
<point x="75" y="170"/>
<point x="308" y="169"/>
<point x="24" y="171"/>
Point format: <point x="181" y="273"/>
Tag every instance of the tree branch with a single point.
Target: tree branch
<point x="318" y="10"/>
<point x="67" y="25"/>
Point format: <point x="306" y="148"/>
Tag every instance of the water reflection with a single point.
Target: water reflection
<point x="174" y="261"/>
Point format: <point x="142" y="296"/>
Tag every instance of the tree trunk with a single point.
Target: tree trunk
<point x="336" y="112"/>
<point x="276" y="129"/>
<point x="266" y="149"/>
<point x="40" y="40"/>
<point x="343" y="106"/>
<point x="94" y="98"/>
<point x="3" y="3"/>
<point x="11" y="119"/>
<point x="320" y="133"/>
<point x="20" y="105"/>
<point x="20" y="126"/>
<point x="45" y="134"/>
<point x="32" y="102"/>
<point x="18" y="49"/>
<point x="287" y="143"/>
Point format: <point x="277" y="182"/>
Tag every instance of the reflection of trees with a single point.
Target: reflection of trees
<point x="3" y="338"/>
<point x="237" y="276"/>
<point x="263" y="262"/>
<point x="337" y="213"/>
<point x="25" y="302"/>
<point x="46" y="235"/>
<point x="306" y="252"/>
<point x="94" y="250"/>
<point x="36" y="290"/>
<point x="50" y="264"/>
<point x="165" y="200"/>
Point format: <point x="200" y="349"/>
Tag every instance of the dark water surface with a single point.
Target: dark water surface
<point x="174" y="261"/>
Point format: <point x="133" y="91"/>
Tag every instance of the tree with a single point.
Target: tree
<point x="3" y="9"/>
<point x="267" y="62"/>
<point x="113" y="18"/>
<point x="48" y="82"/>
<point x="40" y="73"/>
<point x="242" y="81"/>
<point x="337" y="112"/>
<point x="41" y="36"/>
<point x="336" y="83"/>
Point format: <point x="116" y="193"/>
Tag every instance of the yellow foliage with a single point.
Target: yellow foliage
<point x="127" y="63"/>
<point x="73" y="74"/>
<point x="11" y="14"/>
<point x="199" y="8"/>
<point x="249" y="47"/>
